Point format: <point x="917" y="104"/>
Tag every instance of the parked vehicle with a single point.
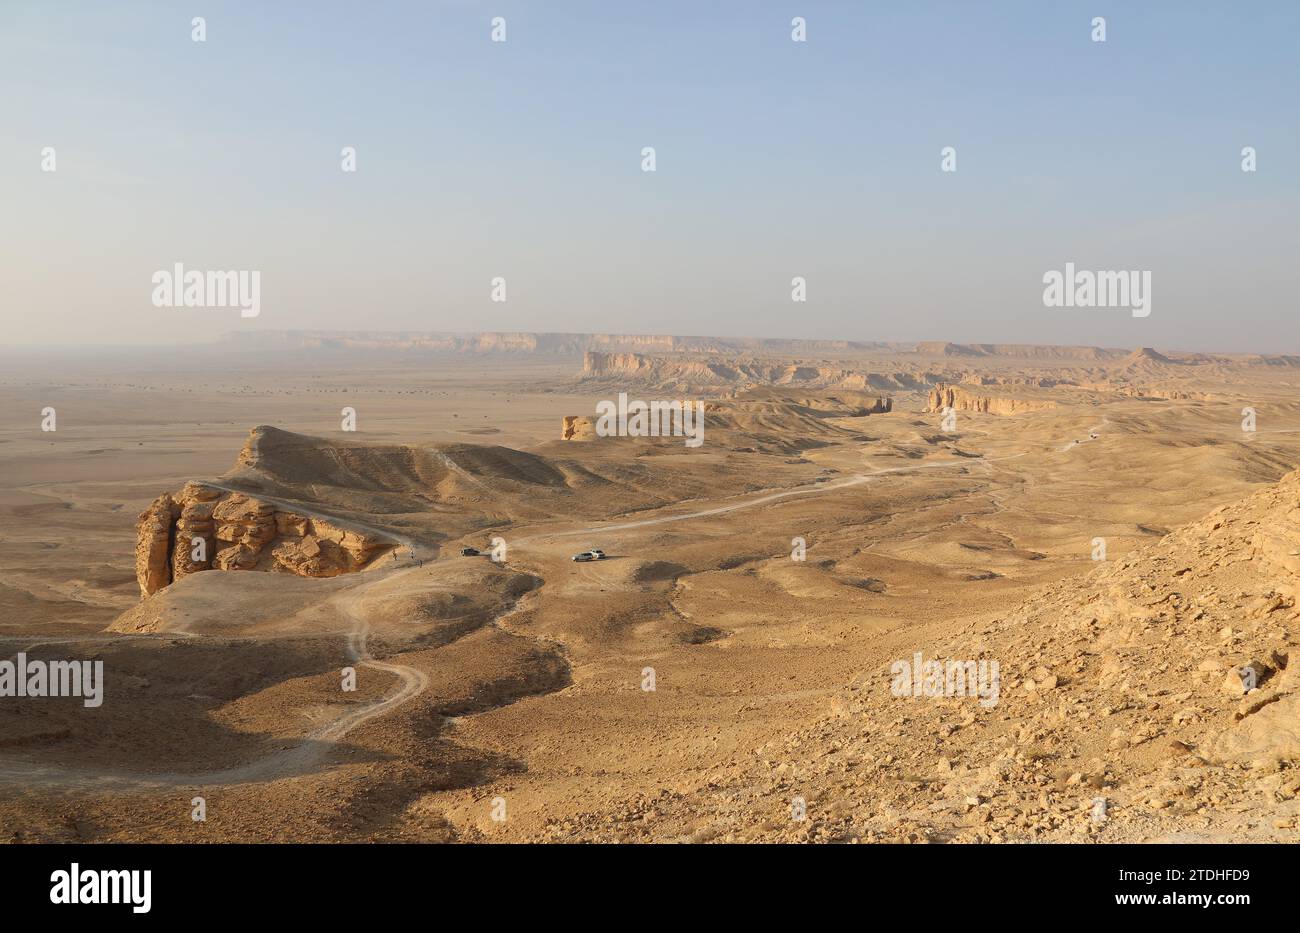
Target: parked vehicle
<point x="593" y="554"/>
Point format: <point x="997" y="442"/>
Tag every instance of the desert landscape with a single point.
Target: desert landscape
<point x="925" y="592"/>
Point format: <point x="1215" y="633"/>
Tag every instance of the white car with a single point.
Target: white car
<point x="593" y="554"/>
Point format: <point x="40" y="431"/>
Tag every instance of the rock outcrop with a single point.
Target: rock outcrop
<point x="960" y="399"/>
<point x="578" y="428"/>
<point x="205" y="528"/>
<point x="196" y="522"/>
<point x="153" y="536"/>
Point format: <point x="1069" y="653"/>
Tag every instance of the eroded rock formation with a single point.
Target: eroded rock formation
<point x="205" y="528"/>
<point x="960" y="399"/>
<point x="153" y="531"/>
<point x="578" y="428"/>
<point x="680" y="372"/>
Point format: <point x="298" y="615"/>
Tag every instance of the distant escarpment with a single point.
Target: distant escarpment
<point x="205" y="528"/>
<point x="1017" y="351"/>
<point x="682" y="372"/>
<point x="961" y="399"/>
<point x="573" y="345"/>
<point x="546" y="344"/>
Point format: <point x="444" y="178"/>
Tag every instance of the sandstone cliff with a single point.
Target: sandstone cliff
<point x="205" y="528"/>
<point x="961" y="399"/>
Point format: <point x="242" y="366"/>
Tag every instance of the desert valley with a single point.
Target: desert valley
<point x="262" y="542"/>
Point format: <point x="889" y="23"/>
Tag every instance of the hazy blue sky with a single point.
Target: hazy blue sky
<point x="775" y="159"/>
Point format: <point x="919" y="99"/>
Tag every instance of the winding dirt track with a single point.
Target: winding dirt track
<point x="316" y="746"/>
<point x="307" y="754"/>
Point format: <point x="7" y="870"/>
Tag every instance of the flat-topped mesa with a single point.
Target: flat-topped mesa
<point x="1044" y="352"/>
<point x="205" y="528"/>
<point x="659" y="369"/>
<point x="680" y="372"/>
<point x="961" y="399"/>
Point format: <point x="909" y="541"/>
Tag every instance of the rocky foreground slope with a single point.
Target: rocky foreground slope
<point x="1161" y="686"/>
<point x="1157" y="698"/>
